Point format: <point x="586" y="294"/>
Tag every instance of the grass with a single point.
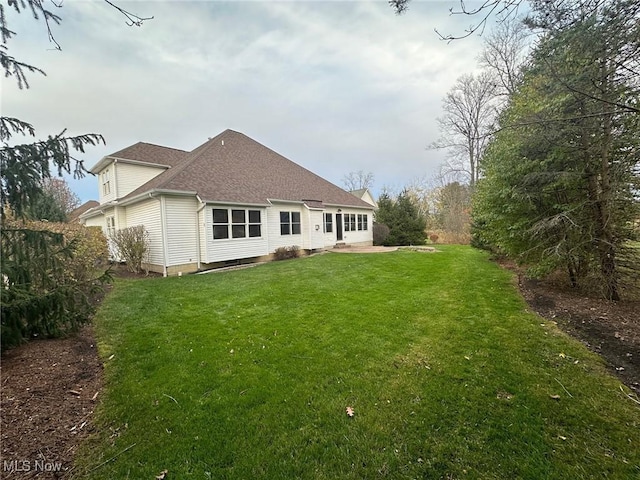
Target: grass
<point x="247" y="374"/>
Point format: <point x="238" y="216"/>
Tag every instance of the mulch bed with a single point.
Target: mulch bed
<point x="50" y="388"/>
<point x="611" y="329"/>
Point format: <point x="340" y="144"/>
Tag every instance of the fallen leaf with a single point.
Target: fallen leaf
<point x="162" y="475"/>
<point x="467" y="358"/>
<point x="554" y="397"/>
<point x="561" y="437"/>
<point x="562" y="355"/>
<point x="350" y="411"/>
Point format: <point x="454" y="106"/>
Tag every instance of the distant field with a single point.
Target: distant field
<point x="247" y="374"/>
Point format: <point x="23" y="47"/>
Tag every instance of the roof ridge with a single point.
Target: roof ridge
<point x="154" y="145"/>
<point x="192" y="156"/>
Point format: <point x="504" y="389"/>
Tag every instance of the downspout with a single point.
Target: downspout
<point x="163" y="226"/>
<point x="199" y="252"/>
<point x="115" y="180"/>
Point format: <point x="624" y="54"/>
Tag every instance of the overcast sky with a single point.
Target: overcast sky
<point x="336" y="87"/>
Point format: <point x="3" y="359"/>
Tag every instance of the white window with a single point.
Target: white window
<point x="349" y="222"/>
<point x="244" y="223"/>
<point x="363" y="222"/>
<point x="106" y="183"/>
<point x="290" y="223"/>
<point x="328" y="222"/>
<point x="111" y="226"/>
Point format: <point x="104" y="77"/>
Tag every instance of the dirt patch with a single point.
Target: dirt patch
<point x="49" y="392"/>
<point x="611" y="329"/>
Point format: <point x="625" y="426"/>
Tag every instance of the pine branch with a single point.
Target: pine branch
<point x="14" y="68"/>
<point x="7" y="124"/>
<point x="25" y="166"/>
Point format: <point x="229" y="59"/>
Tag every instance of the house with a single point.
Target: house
<point x="74" y="215"/>
<point x="365" y="194"/>
<point x="231" y="200"/>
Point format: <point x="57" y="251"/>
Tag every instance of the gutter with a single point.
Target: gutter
<point x="105" y="160"/>
<point x="155" y="191"/>
<point x="239" y="204"/>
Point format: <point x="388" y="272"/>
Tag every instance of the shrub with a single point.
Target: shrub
<point x="132" y="245"/>
<point x="380" y="233"/>
<point x="50" y="272"/>
<point x="285" y="253"/>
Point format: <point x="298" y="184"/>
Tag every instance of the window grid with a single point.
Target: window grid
<point x="106" y="183"/>
<point x="111" y="226"/>
<point x="290" y="223"/>
<point x="328" y="222"/>
<point x="242" y="223"/>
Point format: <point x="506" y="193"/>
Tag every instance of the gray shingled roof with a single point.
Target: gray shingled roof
<point x="86" y="206"/>
<point x="150" y="153"/>
<point x="232" y="167"/>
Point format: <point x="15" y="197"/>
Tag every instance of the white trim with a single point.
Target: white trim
<point x="153" y="192"/>
<point x="105" y="160"/>
<point x="239" y="204"/>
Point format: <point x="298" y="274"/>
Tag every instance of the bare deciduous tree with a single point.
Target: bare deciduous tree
<point x="469" y="113"/>
<point x="504" y="54"/>
<point x="357" y="180"/>
<point x="503" y="9"/>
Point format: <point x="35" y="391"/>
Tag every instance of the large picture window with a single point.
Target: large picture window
<point x="236" y="223"/>
<point x="290" y="223"/>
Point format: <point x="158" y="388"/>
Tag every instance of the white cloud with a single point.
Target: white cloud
<point x="334" y="86"/>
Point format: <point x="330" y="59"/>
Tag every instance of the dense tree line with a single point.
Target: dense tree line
<point x="549" y="142"/>
<point x="560" y="177"/>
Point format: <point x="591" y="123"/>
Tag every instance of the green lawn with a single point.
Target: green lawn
<point x="247" y="374"/>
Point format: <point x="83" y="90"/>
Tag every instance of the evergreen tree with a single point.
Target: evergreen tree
<point x="38" y="294"/>
<point x="401" y="216"/>
<point x="560" y="176"/>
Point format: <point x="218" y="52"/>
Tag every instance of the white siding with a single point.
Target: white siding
<point x="357" y="236"/>
<point x="348" y="237"/>
<point x="202" y="231"/>
<point x="233" y="248"/>
<point x="129" y="177"/>
<point x="276" y="240"/>
<point x="95" y="221"/>
<point x="316" y="236"/>
<point x="147" y="213"/>
<point x="180" y="221"/>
